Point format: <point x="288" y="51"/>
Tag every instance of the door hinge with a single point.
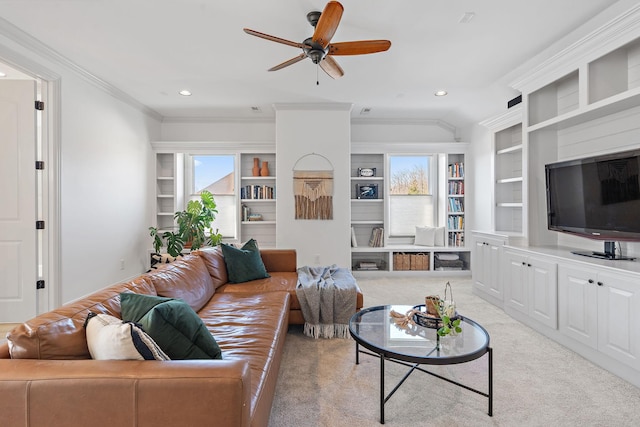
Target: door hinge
<point x="39" y="105"/>
<point x="39" y="225"/>
<point x="39" y="165"/>
<point x="40" y="284"/>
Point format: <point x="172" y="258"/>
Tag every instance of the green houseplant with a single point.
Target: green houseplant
<point x="194" y="227"/>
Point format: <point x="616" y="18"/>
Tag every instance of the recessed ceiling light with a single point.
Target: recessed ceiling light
<point x="466" y="17"/>
<point x="185" y="92"/>
<point x="2" y="74"/>
<point x="441" y="93"/>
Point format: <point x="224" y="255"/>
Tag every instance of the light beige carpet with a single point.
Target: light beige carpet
<point x="537" y="382"/>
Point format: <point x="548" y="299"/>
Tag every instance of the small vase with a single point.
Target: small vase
<point x="265" y="169"/>
<point x="256" y="167"/>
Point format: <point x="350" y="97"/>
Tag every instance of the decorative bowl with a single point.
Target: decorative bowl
<point x="422" y="318"/>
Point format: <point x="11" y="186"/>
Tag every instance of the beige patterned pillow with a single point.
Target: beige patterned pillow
<point x="109" y="338"/>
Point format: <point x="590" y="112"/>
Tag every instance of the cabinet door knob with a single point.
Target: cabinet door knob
<point x="600" y="284"/>
<point x="528" y="265"/>
<point x="590" y="280"/>
<point x="524" y="263"/>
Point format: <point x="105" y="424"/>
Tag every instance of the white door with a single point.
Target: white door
<point x="493" y="261"/>
<point x="543" y="291"/>
<point x="578" y="304"/>
<point x="619" y="318"/>
<point x="480" y="269"/>
<point x="515" y="282"/>
<point x="18" y="267"/>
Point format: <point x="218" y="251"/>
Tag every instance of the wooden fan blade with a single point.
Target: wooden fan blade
<point x="331" y="67"/>
<point x="328" y="23"/>
<point x="274" y="38"/>
<point x="289" y="62"/>
<point x="359" y="47"/>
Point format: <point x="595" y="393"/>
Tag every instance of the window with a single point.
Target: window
<point x="216" y="173"/>
<point x="412" y="200"/>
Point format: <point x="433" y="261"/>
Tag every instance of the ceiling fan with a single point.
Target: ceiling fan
<point x="319" y="47"/>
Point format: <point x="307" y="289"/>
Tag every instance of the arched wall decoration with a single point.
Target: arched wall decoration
<point x="313" y="190"/>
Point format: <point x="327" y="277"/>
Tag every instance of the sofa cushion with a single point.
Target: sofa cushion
<point x="59" y="334"/>
<point x="214" y="260"/>
<point x="109" y="338"/>
<point x="187" y="279"/>
<point x="244" y="264"/>
<point x="172" y="324"/>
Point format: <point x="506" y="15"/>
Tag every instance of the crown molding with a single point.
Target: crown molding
<point x="329" y="106"/>
<point x="411" y="122"/>
<point x="205" y="147"/>
<point x="245" y="120"/>
<point x="504" y="120"/>
<point x="34" y="45"/>
<point x="365" y="147"/>
<point x="615" y="33"/>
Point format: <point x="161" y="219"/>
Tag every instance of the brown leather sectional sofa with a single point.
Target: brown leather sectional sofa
<point x="48" y="379"/>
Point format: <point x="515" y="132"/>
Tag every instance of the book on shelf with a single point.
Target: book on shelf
<point x="456" y="188"/>
<point x="455" y="222"/>
<point x="456" y="205"/>
<point x="257" y="192"/>
<point x="456" y="170"/>
<point x="377" y="237"/>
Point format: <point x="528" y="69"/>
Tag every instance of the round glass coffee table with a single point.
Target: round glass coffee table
<point x="413" y="345"/>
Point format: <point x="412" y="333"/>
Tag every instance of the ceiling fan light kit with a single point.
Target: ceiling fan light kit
<point x="319" y="47"/>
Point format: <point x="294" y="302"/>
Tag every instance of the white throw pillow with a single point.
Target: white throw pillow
<point x="425" y="236"/>
<point x="109" y="338"/>
<point x="438" y="239"/>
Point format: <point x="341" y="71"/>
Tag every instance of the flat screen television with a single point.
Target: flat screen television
<point x="596" y="197"/>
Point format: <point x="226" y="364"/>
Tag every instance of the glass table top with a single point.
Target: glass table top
<point x="375" y="329"/>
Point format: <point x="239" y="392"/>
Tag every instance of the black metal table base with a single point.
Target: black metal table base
<point x="416" y="366"/>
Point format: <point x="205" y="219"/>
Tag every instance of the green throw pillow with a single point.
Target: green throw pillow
<point x="172" y="324"/>
<point x="244" y="264"/>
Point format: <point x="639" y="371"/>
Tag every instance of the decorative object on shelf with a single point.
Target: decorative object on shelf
<point x="366" y="172"/>
<point x="367" y="191"/>
<point x="194" y="227"/>
<point x="368" y="265"/>
<point x="256" y="167"/>
<point x="354" y="242"/>
<point x="313" y="190"/>
<point x="255" y="217"/>
<point x="264" y="171"/>
<point x="377" y="237"/>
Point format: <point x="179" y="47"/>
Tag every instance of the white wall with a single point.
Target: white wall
<point x="105" y="161"/>
<point x="105" y="203"/>
<point x="318" y="242"/>
<point x="218" y="130"/>
<point x="479" y="180"/>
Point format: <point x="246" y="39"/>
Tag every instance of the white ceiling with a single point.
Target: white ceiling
<point x="151" y="49"/>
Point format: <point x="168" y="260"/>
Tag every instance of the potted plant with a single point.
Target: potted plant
<point x="194" y="227"/>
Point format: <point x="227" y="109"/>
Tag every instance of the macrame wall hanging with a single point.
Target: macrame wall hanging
<point x="313" y="190"/>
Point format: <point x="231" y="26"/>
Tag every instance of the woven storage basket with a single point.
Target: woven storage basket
<point x="419" y="261"/>
<point x="401" y="261"/>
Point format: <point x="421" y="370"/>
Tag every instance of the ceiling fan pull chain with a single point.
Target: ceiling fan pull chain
<point x="317" y="76"/>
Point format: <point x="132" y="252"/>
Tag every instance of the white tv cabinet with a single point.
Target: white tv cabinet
<point x="591" y="306"/>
